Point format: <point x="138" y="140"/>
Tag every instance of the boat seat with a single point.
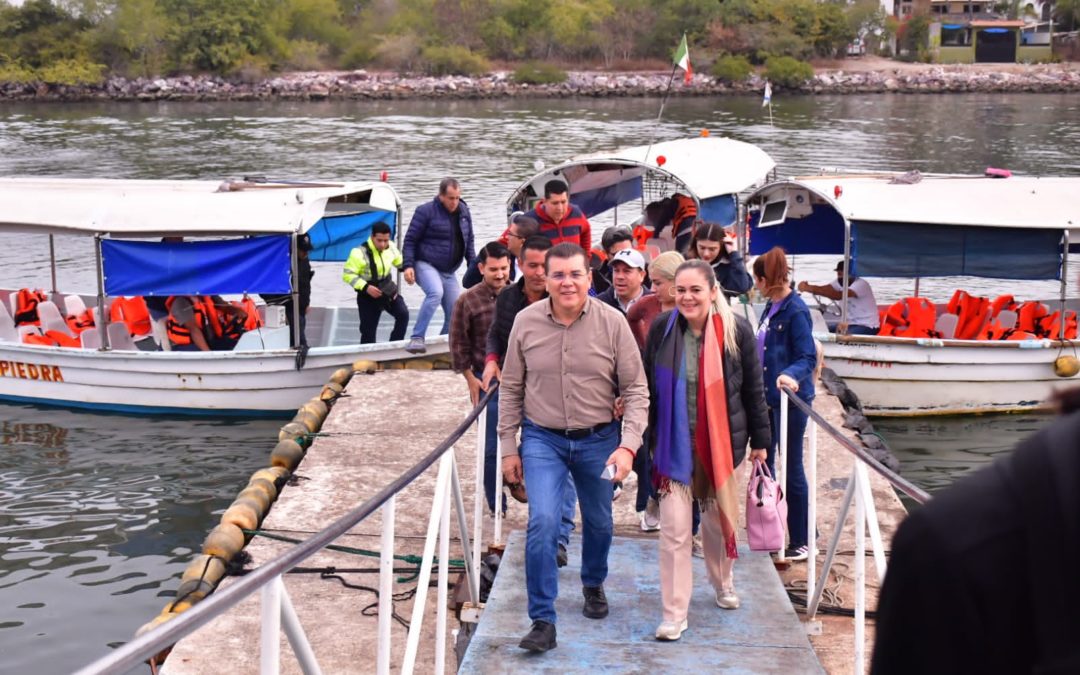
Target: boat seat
<point x="120" y="338"/>
<point x="161" y="335"/>
<point x="817" y="321"/>
<point x="263" y="338"/>
<point x="90" y="338"/>
<point x="74" y="305"/>
<point x="273" y="316"/>
<point x="1007" y="318"/>
<point x="5" y="316"/>
<point x="946" y="325"/>
<point x="8" y="332"/>
<point x="25" y="330"/>
<point x="52" y="319"/>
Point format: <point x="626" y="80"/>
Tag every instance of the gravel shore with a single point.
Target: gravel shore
<point x="852" y="76"/>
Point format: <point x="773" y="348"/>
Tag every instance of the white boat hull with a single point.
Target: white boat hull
<point x="896" y="377"/>
<point x="201" y="383"/>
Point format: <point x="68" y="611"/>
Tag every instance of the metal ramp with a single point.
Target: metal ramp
<point x="763" y="636"/>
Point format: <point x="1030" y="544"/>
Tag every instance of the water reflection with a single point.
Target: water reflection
<point x="98" y="507"/>
<point x="935" y="451"/>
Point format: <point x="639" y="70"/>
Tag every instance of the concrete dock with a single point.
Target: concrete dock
<point x="386" y="422"/>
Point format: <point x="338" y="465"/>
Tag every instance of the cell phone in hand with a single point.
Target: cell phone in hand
<point x="609" y="472"/>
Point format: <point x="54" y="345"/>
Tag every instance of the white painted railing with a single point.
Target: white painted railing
<point x="866" y="519"/>
<point x="277" y="611"/>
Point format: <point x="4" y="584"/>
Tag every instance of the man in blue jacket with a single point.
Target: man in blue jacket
<point x="439" y="238"/>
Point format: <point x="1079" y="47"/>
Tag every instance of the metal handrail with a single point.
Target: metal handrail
<point x="897" y="481"/>
<point x="153" y="642"/>
<point x="860" y="494"/>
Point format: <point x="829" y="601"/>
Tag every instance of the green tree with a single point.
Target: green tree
<point x="132" y="37"/>
<point x="215" y="36"/>
<point x="833" y="31"/>
<point x="1067" y="14"/>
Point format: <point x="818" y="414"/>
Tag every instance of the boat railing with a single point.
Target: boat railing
<point x="866" y="519"/>
<point x="277" y="611"/>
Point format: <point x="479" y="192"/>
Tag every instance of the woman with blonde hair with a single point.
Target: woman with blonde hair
<point x="662" y="275"/>
<point x="707" y="402"/>
<point x="788" y="354"/>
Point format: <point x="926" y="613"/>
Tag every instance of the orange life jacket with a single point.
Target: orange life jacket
<point x="253" y="320"/>
<point x="1050" y="326"/>
<point x="1002" y="302"/>
<point x="52" y="338"/>
<point x="178" y="333"/>
<point x="79" y="323"/>
<point x="597" y="258"/>
<point x="1029" y="316"/>
<point x="972" y="314"/>
<point x="684" y="208"/>
<point x="995" y="330"/>
<point x="642" y="234"/>
<point x="910" y="317"/>
<point x="26" y="304"/>
<point x="133" y="312"/>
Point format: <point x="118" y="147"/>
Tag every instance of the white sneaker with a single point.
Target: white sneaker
<point x="649" y="523"/>
<point x="670" y="630"/>
<point x="727" y="599"/>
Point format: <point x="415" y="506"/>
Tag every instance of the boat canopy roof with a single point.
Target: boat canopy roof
<point x="706" y="168"/>
<point x="154" y="208"/>
<point x="912" y="225"/>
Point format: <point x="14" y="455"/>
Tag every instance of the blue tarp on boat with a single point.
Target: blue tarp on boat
<point x="254" y="265"/>
<point x="918" y="250"/>
<point x="595" y="202"/>
<point x="333" y="237"/>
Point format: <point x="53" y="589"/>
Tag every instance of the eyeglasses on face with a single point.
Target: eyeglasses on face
<point x="576" y="275"/>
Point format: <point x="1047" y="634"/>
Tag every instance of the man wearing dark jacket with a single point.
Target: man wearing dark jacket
<point x="439" y="237"/>
<point x="979" y="579"/>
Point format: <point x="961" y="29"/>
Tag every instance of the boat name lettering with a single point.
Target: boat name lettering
<point x="31" y="371"/>
<point x="876" y="364"/>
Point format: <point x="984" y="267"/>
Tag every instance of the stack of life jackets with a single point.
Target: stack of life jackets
<point x="977" y="318"/>
<point x="132" y="312"/>
<point x="910" y="317"/>
<point x="26" y="304"/>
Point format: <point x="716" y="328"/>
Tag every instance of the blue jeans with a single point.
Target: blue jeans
<point x="798" y="494"/>
<point x="440" y="288"/>
<point x="491" y="449"/>
<point x="546" y="460"/>
<point x="859" y="329"/>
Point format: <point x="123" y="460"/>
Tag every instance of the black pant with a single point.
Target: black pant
<point x="371" y="309"/>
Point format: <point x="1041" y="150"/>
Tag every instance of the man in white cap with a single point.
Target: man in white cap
<point x="628" y="271"/>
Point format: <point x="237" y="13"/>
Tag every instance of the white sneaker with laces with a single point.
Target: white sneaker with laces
<point x="670" y="630"/>
<point x="727" y="599"/>
<point x="797" y="554"/>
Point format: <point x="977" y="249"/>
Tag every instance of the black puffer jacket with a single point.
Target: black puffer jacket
<point x="748" y="413"/>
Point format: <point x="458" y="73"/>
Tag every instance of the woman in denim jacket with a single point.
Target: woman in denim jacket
<point x="788" y="356"/>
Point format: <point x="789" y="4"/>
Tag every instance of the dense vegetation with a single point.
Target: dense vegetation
<point x="79" y="41"/>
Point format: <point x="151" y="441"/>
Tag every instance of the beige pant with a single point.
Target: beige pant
<point x="676" y="549"/>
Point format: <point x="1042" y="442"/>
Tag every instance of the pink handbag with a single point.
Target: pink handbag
<point x="766" y="510"/>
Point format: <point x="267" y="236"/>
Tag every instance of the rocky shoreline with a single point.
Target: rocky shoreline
<point x="360" y="85"/>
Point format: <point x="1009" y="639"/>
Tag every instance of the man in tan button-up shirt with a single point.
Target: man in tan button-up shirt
<point x="568" y="359"/>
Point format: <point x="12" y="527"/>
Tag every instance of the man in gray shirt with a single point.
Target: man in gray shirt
<point x="568" y="358"/>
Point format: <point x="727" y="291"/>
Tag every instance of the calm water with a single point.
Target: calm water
<point x="99" y="514"/>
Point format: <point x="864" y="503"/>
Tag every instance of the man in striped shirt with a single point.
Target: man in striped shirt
<point x="560" y="221"/>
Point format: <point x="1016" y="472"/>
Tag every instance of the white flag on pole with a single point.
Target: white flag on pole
<point x="768" y="95"/>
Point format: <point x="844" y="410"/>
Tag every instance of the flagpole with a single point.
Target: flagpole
<point x="663" y="102"/>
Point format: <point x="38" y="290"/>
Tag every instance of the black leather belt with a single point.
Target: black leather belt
<point x="577" y="434"/>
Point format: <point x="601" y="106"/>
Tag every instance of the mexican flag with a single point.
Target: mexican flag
<point x="682" y="59"/>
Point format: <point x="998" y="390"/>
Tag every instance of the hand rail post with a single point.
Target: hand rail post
<point x="872" y="524"/>
<point x="386" y="587"/>
<point x="270" y="635"/>
<point x="497" y="534"/>
<point x="297" y="637"/>
<point x="811" y="512"/>
<point x="860" y="576"/>
<point x="781" y="460"/>
<point x="479" y="495"/>
<point x="814" y="599"/>
<point x="444" y="560"/>
<point x="423" y="580"/>
<point x="471" y="576"/>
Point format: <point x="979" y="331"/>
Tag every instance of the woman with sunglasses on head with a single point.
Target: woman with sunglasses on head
<point x="707" y="403"/>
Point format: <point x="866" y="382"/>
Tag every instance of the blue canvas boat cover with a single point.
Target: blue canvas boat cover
<point x="333" y="237"/>
<point x="254" y="265"/>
